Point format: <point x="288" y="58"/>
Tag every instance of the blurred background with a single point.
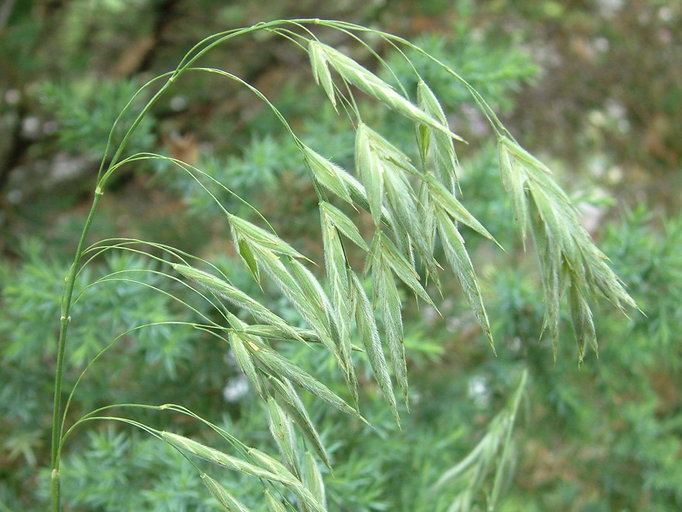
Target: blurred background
<point x="594" y="87"/>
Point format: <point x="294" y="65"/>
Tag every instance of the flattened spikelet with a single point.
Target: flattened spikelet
<point x="297" y="486"/>
<point x="456" y="253"/>
<point x="318" y="63"/>
<point x="371" y="84"/>
<point x="279" y="366"/>
<point x="370" y="337"/>
<point x="567" y="255"/>
<point x="236" y="297"/>
<point x="188" y="445"/>
<point x="248" y="257"/>
<point x="301" y="288"/>
<point x="282" y="431"/>
<point x="371" y="171"/>
<point x="228" y="502"/>
<point x="448" y="202"/>
<point x="312" y="479"/>
<point x="274" y="505"/>
<point x="437" y="148"/>
<point x="383" y="249"/>
<point x="583" y="324"/>
<point x="388" y="303"/>
<point x="337" y="270"/>
<point x="514" y="181"/>
<point x="289" y="399"/>
<point x="244" y="230"/>
<point x="341" y="222"/>
<point x="329" y="175"/>
<point x="245" y="362"/>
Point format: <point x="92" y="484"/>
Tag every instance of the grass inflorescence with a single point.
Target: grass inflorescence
<point x="415" y="211"/>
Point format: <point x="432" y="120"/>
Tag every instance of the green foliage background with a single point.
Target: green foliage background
<point x="590" y="85"/>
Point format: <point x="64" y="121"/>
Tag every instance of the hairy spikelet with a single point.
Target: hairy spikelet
<point x="330" y="175"/>
<point x="385" y="171"/>
<point x="320" y="67"/>
<point x="514" y="181"/>
<point x="312" y="478"/>
<point x="343" y="224"/>
<point x="371" y="170"/>
<point x="279" y="366"/>
<point x="188" y="445"/>
<point x="273" y="504"/>
<point x="334" y="222"/>
<point x="371" y="84"/>
<point x="370" y="338"/>
<point x="567" y="255"/>
<point x="303" y="493"/>
<point x="287" y="397"/>
<point x="383" y="252"/>
<point x="237" y="297"/>
<point x="456" y="253"/>
<point x="491" y="456"/>
<point x="436" y="148"/>
<point x="446" y="201"/>
<point x="256" y="236"/>
<point x="270" y="332"/>
<point x="228" y="502"/>
<point x="387" y="299"/>
<point x="244" y="250"/>
<point x="245" y="361"/>
<point x="305" y="293"/>
<point x="282" y="432"/>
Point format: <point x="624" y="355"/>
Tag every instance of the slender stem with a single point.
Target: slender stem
<point x="64" y="320"/>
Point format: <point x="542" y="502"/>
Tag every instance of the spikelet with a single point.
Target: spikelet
<point x="228" y="502"/>
<point x="312" y="479"/>
<point x="371" y="84"/>
<point x="370" y="337"/>
<point x="567" y="255"/>
<point x="236" y="297"/>
<point x="436" y="149"/>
